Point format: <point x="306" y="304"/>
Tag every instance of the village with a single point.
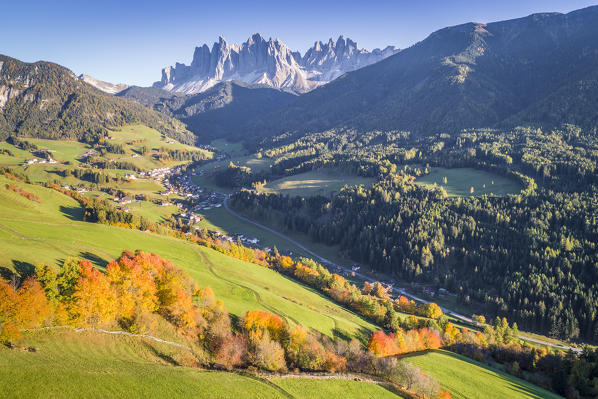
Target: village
<point x="182" y="192"/>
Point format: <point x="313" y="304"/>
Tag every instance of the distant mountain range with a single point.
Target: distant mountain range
<point x="541" y="69"/>
<point x="538" y="69"/>
<point x="268" y="62"/>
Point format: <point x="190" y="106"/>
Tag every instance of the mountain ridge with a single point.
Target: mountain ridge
<point x="269" y="62"/>
<point x="219" y="111"/>
<point x="106" y="87"/>
<point x="466" y="76"/>
<point x="46" y="100"/>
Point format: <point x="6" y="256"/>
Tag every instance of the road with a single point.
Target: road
<point x="330" y="263"/>
<point x="367" y="278"/>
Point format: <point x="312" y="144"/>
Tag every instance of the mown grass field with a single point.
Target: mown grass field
<point x="18" y="156"/>
<point x="146" y="136"/>
<point x="467" y="379"/>
<point x="67" y="364"/>
<point x="303" y="387"/>
<point x="131" y="137"/>
<point x="459" y="182"/>
<point x="51" y="231"/>
<point x="319" y="182"/>
<point x="62" y="150"/>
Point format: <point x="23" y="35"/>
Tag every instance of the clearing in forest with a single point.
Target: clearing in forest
<point x="469" y="182"/>
<point x="324" y="182"/>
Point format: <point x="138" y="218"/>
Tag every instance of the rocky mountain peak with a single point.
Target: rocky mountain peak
<point x="106" y="87"/>
<point x="269" y="62"/>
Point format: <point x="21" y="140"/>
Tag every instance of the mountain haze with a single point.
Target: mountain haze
<point x="220" y="111"/>
<point x="268" y="62"/>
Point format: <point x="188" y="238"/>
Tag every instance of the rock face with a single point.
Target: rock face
<point x="268" y="62"/>
<point x="106" y="87"/>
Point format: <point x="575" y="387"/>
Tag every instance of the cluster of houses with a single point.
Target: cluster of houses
<point x="79" y="189"/>
<point x="198" y="200"/>
<point x="246" y="241"/>
<point x="38" y="161"/>
<point x="158" y="174"/>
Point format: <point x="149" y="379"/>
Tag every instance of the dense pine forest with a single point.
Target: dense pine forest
<point x="531" y="256"/>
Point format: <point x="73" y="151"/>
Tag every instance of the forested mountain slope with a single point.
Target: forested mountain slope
<point x="220" y="111"/>
<point x="46" y="100"/>
<point x="531" y="69"/>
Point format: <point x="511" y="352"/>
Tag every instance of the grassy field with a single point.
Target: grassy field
<point x="18" y="156"/>
<point x="303" y="387"/>
<point x="63" y="150"/>
<point x="50" y="231"/>
<point x="459" y="182"/>
<point x="322" y="182"/>
<point x="132" y="137"/>
<point x="136" y="136"/>
<point x="238" y="156"/>
<point x="67" y="364"/>
<point x="219" y="219"/>
<point x="235" y="150"/>
<point x="466" y="378"/>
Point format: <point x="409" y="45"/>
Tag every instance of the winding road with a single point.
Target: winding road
<point x="401" y="291"/>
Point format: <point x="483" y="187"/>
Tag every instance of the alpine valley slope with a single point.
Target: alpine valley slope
<point x="220" y="111"/>
<point x="47" y="100"/>
<point x="534" y="69"/>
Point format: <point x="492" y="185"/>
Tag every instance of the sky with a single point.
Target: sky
<point x="130" y="41"/>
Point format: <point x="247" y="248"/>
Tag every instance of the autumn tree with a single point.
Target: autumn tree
<point x="94" y="301"/>
<point x="21" y="309"/>
<point x="134" y="288"/>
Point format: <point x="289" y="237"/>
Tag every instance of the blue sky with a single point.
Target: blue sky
<point x="130" y="41"/>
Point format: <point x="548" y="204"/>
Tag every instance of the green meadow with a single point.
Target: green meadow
<point x="313" y="388"/>
<point x="465" y="378"/>
<point x="318" y="182"/>
<point x="131" y="137"/>
<point x="460" y="181"/>
<point x="67" y="364"/>
<point x="62" y="150"/>
<point x="51" y="231"/>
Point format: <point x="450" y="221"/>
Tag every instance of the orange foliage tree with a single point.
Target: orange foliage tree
<point x="20" y="309"/>
<point x="399" y="342"/>
<point x="94" y="301"/>
<point x="259" y="322"/>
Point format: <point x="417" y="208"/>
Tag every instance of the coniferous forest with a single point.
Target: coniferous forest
<point x="530" y="256"/>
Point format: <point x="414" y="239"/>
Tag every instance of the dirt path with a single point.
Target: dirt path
<point x="22" y="237"/>
<point x="112" y="332"/>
